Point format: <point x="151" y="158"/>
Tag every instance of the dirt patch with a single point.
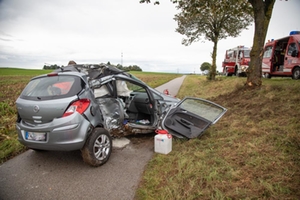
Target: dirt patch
<point x="142" y="140"/>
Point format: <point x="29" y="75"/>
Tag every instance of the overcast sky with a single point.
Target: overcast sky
<point x="38" y="32"/>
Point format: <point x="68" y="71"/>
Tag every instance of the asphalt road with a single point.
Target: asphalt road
<point x="172" y="86"/>
<point x="63" y="175"/>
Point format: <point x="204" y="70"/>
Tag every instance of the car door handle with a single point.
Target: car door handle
<point x="185" y="122"/>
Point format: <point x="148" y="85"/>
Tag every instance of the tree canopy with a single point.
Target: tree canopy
<point x="212" y="20"/>
<point x="205" y="66"/>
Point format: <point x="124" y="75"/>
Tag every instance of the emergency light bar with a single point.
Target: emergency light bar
<point x="294" y="32"/>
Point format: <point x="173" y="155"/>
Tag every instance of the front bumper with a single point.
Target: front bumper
<point x="243" y="68"/>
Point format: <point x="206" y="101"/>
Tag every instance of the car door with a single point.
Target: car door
<point x="267" y="64"/>
<point x="125" y="104"/>
<point x="110" y="105"/>
<point x="191" y="117"/>
<point x="290" y="60"/>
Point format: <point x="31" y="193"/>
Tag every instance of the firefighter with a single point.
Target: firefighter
<point x="276" y="61"/>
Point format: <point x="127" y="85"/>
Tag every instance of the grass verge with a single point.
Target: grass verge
<point x="253" y="152"/>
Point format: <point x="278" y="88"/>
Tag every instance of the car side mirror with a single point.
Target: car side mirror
<point x="295" y="53"/>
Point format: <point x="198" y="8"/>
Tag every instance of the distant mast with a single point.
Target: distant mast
<point x="121" y="58"/>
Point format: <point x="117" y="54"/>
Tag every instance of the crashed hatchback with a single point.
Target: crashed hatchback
<point x="81" y="107"/>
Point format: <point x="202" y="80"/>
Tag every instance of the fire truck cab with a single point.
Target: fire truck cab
<point x="236" y="61"/>
<point x="281" y="57"/>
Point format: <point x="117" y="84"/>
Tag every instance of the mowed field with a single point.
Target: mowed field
<point x="253" y="152"/>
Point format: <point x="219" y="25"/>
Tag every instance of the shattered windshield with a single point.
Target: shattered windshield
<point x="137" y="79"/>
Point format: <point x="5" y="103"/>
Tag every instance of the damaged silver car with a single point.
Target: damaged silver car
<point x="129" y="106"/>
<point x="84" y="106"/>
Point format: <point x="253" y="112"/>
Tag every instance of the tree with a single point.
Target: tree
<point x="262" y="10"/>
<point x="205" y="66"/>
<point x="55" y="66"/>
<point x="124" y="68"/>
<point x="212" y="20"/>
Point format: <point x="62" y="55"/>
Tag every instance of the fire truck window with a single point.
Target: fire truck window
<point x="234" y="54"/>
<point x="292" y="47"/>
<point x="268" y="52"/>
<point x="240" y="54"/>
<point x="247" y="53"/>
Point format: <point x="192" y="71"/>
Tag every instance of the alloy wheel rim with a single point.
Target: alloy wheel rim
<point x="101" y="147"/>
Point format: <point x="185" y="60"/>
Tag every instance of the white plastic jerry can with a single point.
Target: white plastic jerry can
<point x="162" y="142"/>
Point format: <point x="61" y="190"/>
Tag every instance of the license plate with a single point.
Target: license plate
<point x="35" y="136"/>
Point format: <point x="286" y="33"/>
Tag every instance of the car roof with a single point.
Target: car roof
<point x="93" y="71"/>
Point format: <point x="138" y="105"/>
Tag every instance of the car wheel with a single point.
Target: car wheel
<point x="97" y="148"/>
<point x="296" y="73"/>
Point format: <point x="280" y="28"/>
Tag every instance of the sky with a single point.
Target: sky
<point x="38" y="32"/>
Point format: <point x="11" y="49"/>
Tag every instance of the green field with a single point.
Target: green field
<point x="22" y="72"/>
<point x="253" y="152"/>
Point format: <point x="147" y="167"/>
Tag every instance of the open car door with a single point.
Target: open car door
<point x="191" y="117"/>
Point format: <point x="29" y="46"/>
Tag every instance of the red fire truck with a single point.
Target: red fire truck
<point x="236" y="61"/>
<point x="282" y="57"/>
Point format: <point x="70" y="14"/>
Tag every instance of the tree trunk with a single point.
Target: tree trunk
<point x="214" y="66"/>
<point x="262" y="15"/>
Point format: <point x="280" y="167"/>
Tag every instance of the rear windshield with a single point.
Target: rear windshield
<point x="52" y="87"/>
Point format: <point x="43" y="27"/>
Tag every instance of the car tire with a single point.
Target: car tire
<point x="97" y="148"/>
<point x="296" y="73"/>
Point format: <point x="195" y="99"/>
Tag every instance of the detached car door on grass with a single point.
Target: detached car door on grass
<point x="191" y="117"/>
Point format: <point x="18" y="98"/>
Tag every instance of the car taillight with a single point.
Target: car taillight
<point x="78" y="106"/>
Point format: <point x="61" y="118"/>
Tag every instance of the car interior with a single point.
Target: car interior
<point x="132" y="99"/>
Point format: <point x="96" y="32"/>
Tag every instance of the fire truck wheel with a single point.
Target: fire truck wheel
<point x="268" y="76"/>
<point x="236" y="72"/>
<point x="227" y="74"/>
<point x="296" y="73"/>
